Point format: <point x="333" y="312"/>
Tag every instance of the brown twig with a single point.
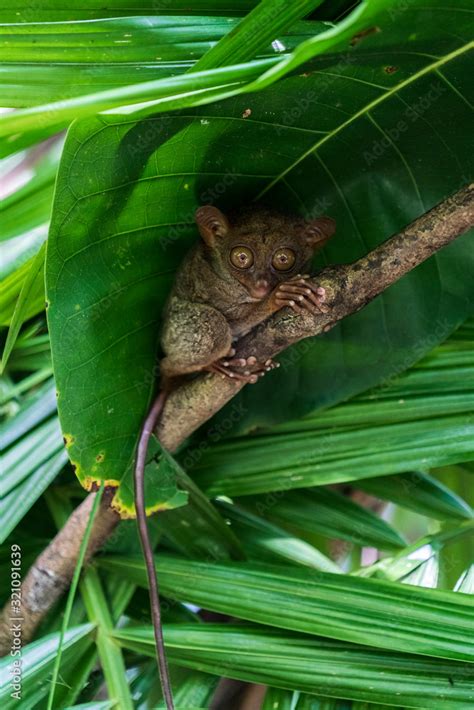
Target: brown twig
<point x="348" y="287"/>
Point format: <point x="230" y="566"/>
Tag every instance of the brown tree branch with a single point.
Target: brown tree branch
<point x="348" y="287"/>
<point x="51" y="573"/>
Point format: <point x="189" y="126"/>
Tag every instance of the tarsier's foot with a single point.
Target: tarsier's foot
<point x="227" y="371"/>
<point x="300" y="294"/>
<point x="226" y="367"/>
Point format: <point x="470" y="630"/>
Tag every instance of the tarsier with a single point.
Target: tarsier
<point x="245" y="268"/>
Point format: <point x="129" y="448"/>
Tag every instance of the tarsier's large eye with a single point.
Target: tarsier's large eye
<point x="283" y="259"/>
<point x="241" y="257"/>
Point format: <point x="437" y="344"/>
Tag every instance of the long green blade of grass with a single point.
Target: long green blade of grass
<point x="72" y="593"/>
<point x="366" y="611"/>
<point x="329" y="513"/>
<point x="260" y="26"/>
<point x="298" y="662"/>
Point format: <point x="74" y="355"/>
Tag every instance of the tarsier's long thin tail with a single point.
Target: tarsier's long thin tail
<point x="139" y="480"/>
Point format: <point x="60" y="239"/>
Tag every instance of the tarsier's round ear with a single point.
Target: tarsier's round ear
<point x="211" y="223"/>
<point x="319" y="231"/>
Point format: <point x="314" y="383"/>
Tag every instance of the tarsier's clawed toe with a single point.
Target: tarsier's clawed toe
<point x="227" y="369"/>
<point x="302" y="295"/>
<point x="263" y="368"/>
<point x="238" y="361"/>
<point x="270" y="365"/>
<point x="234" y="362"/>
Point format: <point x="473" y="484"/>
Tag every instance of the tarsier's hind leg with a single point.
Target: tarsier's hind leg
<point x="194" y="337"/>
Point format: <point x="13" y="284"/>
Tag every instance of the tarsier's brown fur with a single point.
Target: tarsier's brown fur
<point x="245" y="268"/>
<point x="214" y="302"/>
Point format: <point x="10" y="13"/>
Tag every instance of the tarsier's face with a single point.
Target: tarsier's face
<point x="259" y="248"/>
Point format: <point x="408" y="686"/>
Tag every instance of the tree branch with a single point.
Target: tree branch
<point x="51" y="573"/>
<point x="349" y="287"/>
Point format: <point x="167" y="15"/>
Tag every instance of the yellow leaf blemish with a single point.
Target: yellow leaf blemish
<point x="68" y="440"/>
<point x="89" y="482"/>
<point x="127" y="512"/>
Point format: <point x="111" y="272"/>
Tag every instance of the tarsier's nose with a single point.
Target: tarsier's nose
<point x="261" y="289"/>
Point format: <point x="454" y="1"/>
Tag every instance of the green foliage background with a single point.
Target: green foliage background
<point x="362" y="113"/>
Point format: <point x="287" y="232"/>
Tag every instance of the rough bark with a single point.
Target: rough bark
<point x="349" y="287"/>
<point x="52" y="571"/>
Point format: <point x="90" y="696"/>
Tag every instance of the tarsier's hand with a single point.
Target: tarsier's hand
<point x="300" y="294"/>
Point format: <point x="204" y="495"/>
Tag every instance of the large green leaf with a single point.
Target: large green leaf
<point x="367" y="611"/>
<point x="313" y="665"/>
<point x="310" y="144"/>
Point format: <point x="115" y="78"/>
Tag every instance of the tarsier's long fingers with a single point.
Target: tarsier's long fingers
<point x="304" y="296"/>
<point x="290" y="302"/>
<point x="300" y="294"/>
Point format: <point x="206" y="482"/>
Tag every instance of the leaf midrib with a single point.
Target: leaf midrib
<point x="368" y="107"/>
